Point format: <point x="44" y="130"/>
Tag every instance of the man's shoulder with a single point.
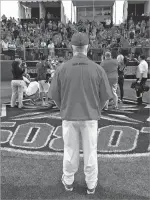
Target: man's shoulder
<point x="98" y="67"/>
<point x="144" y="63"/>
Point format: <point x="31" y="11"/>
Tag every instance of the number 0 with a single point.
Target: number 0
<point x="40" y="138"/>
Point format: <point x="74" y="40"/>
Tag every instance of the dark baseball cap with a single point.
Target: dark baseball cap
<point x="79" y="39"/>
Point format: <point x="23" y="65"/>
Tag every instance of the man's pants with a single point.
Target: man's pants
<point x="139" y="93"/>
<point x="89" y="134"/>
<point x="17" y="92"/>
<point x="121" y="83"/>
<point x="115" y="96"/>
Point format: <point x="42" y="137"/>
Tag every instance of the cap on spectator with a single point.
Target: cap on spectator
<point x="79" y="39"/>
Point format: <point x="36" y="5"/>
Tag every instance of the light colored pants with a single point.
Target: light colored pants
<point x="115" y="96"/>
<point x="89" y="134"/>
<point x="44" y="87"/>
<point x="17" y="92"/>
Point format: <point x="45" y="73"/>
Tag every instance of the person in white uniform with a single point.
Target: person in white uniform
<point x="141" y="75"/>
<point x="80" y="88"/>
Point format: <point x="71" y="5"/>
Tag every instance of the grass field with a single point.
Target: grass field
<point x="32" y="169"/>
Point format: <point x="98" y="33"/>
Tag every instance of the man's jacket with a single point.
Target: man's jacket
<point x="80" y="89"/>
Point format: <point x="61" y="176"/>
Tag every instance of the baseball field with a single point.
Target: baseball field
<point x="32" y="152"/>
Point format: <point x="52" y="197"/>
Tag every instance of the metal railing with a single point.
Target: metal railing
<point x="11" y="53"/>
<point x="95" y="54"/>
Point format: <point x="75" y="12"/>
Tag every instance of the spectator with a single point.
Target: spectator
<point x="50" y="25"/>
<point x="143" y="26"/>
<point x="12" y="49"/>
<point x="43" y="43"/>
<point x="42" y="25"/>
<point x="132" y="35"/>
<point x="5" y="46"/>
<point x="16" y="32"/>
<point x="138" y="28"/>
<point x="54" y="27"/>
<point x="48" y="16"/>
<point x="51" y="48"/>
<point x="108" y="22"/>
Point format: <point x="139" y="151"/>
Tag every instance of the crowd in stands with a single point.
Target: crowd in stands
<point x="29" y="39"/>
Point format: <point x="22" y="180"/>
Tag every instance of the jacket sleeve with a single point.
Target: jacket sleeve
<point x="105" y="92"/>
<point x="55" y="89"/>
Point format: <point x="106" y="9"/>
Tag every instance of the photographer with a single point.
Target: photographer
<point x="44" y="85"/>
<point x="141" y="75"/>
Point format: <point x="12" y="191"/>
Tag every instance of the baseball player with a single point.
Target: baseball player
<point x="80" y="88"/>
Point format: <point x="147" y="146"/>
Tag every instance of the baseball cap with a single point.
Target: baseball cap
<point x="79" y="39"/>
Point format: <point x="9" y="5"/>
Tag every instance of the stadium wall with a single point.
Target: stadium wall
<point x="6" y="74"/>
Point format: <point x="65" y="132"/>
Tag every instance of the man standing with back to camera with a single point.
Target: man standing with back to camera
<point x="111" y="68"/>
<point x="80" y="88"/>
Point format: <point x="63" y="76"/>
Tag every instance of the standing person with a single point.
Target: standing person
<point x="141" y="75"/>
<point x="44" y="85"/>
<point x="111" y="68"/>
<point x="121" y="68"/>
<point x="108" y="22"/>
<point x="17" y="84"/>
<point x="80" y="89"/>
<point x="51" y="49"/>
<point x="132" y="36"/>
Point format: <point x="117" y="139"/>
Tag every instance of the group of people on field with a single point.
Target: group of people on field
<point x="38" y="88"/>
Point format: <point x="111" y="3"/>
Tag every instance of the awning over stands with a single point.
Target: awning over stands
<point x="25" y="8"/>
<point x="35" y="4"/>
<point x="38" y="1"/>
<point x="85" y="3"/>
<point x="136" y="1"/>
